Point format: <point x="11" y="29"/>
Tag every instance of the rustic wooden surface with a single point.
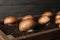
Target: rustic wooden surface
<point x="46" y="35"/>
<point x="3" y="36"/>
<point x="10" y="37"/>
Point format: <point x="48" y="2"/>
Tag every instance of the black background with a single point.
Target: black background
<point x="23" y="7"/>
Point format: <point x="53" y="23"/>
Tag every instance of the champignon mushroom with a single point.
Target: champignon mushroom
<point x="27" y="17"/>
<point x="10" y="19"/>
<point x="43" y="20"/>
<point x="57" y="18"/>
<point x="58" y="13"/>
<point x="47" y="14"/>
<point x="25" y="25"/>
<point x="57" y="21"/>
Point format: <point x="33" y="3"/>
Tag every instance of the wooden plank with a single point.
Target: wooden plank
<point x="39" y="33"/>
<point x="3" y="36"/>
<point x="10" y="37"/>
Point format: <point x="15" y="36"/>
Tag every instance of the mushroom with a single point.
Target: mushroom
<point x="57" y="18"/>
<point x="26" y="25"/>
<point x="10" y="19"/>
<point x="58" y="13"/>
<point x="47" y="14"/>
<point x="27" y="17"/>
<point x="57" y="21"/>
<point x="43" y="20"/>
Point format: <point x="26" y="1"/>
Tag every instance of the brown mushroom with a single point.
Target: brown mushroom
<point x="43" y="20"/>
<point x="57" y="21"/>
<point x="47" y="14"/>
<point x="58" y="13"/>
<point x="27" y="17"/>
<point x="10" y="19"/>
<point x="57" y="18"/>
<point x="25" y="25"/>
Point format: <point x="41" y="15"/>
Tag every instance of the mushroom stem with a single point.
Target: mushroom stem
<point x="30" y="30"/>
<point x="9" y="24"/>
<point x="47" y="24"/>
<point x="59" y="25"/>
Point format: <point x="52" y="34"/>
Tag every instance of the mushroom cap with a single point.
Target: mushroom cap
<point x="47" y="14"/>
<point x="57" y="21"/>
<point x="10" y="19"/>
<point x="27" y="17"/>
<point x="58" y="13"/>
<point x="57" y="16"/>
<point x="43" y="20"/>
<point x="25" y="25"/>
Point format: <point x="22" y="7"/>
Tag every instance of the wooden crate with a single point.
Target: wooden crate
<point x="45" y="35"/>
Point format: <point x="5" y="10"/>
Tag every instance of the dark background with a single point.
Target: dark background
<point x="23" y="7"/>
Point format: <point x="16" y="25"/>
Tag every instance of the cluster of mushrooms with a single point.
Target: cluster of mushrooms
<point x="29" y="22"/>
